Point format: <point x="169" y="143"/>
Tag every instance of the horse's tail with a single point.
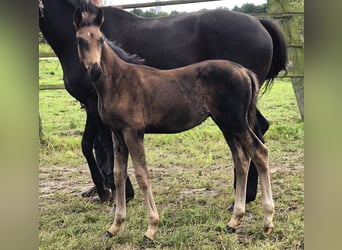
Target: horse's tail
<point x="279" y="58"/>
<point x="251" y="113"/>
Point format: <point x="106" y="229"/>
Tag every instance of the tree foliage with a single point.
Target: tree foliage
<point x="251" y="8"/>
<point x="149" y="13"/>
<point x="245" y="8"/>
<point x="152" y="13"/>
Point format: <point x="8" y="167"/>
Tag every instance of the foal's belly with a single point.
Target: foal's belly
<point x="176" y="123"/>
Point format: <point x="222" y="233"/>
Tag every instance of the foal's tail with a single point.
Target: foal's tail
<point x="251" y="115"/>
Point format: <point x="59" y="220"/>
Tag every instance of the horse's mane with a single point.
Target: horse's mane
<point x="89" y="11"/>
<point x="88" y="6"/>
<point x="85" y="5"/>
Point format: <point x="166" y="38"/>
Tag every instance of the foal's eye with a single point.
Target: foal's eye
<point x="81" y="42"/>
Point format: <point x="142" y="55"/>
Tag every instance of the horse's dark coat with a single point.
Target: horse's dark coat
<point x="164" y="43"/>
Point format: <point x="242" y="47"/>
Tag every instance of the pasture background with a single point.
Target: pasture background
<point x="191" y="175"/>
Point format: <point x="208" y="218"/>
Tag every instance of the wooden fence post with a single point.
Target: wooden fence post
<point x="291" y="17"/>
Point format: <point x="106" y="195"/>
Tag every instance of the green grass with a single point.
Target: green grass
<point x="50" y="72"/>
<point x="191" y="175"/>
<point x="45" y="48"/>
<point x="63" y="123"/>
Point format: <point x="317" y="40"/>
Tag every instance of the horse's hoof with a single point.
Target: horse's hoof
<point x="106" y="196"/>
<point x="90" y="192"/>
<point x="96" y="200"/>
<point x="147" y="241"/>
<point x="230" y="230"/>
<point x="107" y="235"/>
<point x="268" y="230"/>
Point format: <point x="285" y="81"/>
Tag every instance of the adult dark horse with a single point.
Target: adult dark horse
<point x="164" y="43"/>
<point x="137" y="99"/>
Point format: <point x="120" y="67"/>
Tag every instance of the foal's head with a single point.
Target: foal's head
<point x="89" y="41"/>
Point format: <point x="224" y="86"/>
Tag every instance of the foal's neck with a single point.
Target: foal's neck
<point x="111" y="63"/>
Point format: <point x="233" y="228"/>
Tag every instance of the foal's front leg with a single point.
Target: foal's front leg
<point x="120" y="176"/>
<point x="135" y="143"/>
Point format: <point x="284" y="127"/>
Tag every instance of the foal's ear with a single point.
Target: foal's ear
<point x="99" y="18"/>
<point x="77" y="18"/>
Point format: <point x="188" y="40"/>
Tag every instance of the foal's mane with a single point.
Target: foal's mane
<point x="124" y="55"/>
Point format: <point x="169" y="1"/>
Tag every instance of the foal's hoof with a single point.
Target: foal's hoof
<point x="147" y="241"/>
<point x="230" y="230"/>
<point x="268" y="230"/>
<point x="107" y="235"/>
<point x="90" y="192"/>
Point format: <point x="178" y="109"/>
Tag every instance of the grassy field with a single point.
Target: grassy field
<point x="191" y="175"/>
<point x="50" y="72"/>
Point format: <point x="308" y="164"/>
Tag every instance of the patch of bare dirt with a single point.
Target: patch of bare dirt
<point x="66" y="179"/>
<point x="70" y="180"/>
<point x="74" y="180"/>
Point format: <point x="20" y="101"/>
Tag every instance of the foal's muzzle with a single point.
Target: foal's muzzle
<point x="95" y="72"/>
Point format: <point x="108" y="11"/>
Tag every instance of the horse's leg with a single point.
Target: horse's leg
<point x="120" y="177"/>
<point x="260" y="129"/>
<point x="107" y="162"/>
<point x="259" y="155"/>
<point x="101" y="158"/>
<point x="87" y="149"/>
<point x="241" y="162"/>
<point x="99" y="155"/>
<point x="135" y="143"/>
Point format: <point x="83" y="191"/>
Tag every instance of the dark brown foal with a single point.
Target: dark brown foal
<point x="135" y="99"/>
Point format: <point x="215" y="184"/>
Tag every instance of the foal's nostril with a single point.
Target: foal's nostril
<point x="95" y="72"/>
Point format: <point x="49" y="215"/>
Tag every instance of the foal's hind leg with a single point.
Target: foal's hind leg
<point x="241" y="163"/>
<point x="260" y="129"/>
<point x="259" y="155"/>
